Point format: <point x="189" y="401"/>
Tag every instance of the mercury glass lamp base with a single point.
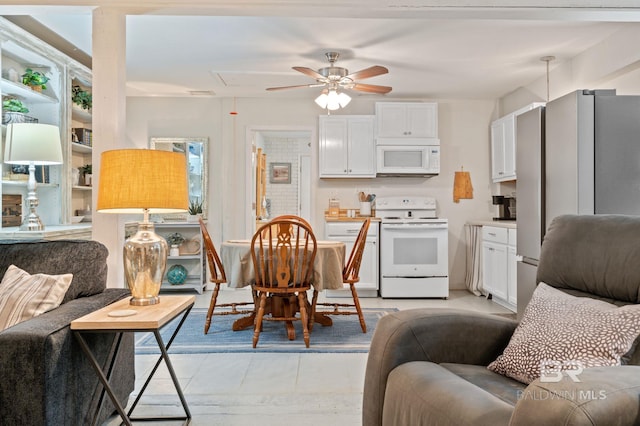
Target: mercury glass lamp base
<point x="145" y="301"/>
<point x="145" y="260"/>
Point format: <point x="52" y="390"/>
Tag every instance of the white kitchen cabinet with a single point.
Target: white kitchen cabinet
<point x="504" y="145"/>
<point x="512" y="276"/>
<point x="494" y="265"/>
<point x="503" y="149"/>
<point x="499" y="265"/>
<point x="347" y="147"/>
<point x="347" y="233"/>
<point x="407" y="120"/>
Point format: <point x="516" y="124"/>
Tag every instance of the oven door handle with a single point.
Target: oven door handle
<point x="415" y="226"/>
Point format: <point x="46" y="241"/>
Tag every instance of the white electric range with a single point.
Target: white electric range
<point x="414" y="244"/>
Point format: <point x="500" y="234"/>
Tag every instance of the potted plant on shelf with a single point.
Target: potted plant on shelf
<point x="81" y="97"/>
<point x="195" y="210"/>
<point x="13" y="111"/>
<point x="86" y="171"/>
<point x="174" y="240"/>
<point x="36" y="80"/>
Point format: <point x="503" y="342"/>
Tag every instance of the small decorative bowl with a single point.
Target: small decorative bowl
<point x="76" y="219"/>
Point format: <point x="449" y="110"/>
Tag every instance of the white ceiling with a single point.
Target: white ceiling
<point x="477" y="53"/>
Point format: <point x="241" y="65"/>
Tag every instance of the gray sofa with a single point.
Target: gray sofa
<point x="45" y="378"/>
<point x="428" y="366"/>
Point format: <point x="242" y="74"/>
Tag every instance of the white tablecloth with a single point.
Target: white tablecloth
<point x="327" y="266"/>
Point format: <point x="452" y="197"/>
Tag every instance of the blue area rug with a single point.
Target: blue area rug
<point x="345" y="335"/>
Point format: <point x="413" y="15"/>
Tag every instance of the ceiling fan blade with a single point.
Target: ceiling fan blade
<point x="370" y="88"/>
<point x="311" y="73"/>
<point x="368" y="72"/>
<point x="271" y="89"/>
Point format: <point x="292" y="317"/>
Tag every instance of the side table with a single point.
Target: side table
<point x="150" y="318"/>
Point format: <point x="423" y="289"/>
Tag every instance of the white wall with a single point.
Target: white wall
<point x="463" y="130"/>
<point x="613" y="63"/>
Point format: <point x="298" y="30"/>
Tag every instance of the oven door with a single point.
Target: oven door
<point x="414" y="250"/>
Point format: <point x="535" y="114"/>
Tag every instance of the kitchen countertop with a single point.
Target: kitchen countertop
<point x="328" y="218"/>
<point x="511" y="224"/>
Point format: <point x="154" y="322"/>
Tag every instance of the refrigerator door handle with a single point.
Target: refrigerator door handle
<point x="527" y="260"/>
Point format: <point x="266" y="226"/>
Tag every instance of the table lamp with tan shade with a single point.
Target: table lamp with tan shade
<point x="32" y="144"/>
<point x="143" y="181"/>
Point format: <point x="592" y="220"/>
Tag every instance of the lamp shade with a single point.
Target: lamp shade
<point x="32" y="143"/>
<point x="132" y="180"/>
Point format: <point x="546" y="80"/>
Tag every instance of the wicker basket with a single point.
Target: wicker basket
<point x="16" y="117"/>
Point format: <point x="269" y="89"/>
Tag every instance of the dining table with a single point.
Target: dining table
<point x="327" y="273"/>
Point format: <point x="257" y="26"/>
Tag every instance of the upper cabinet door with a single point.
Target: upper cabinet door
<point x="347" y="147"/>
<point x="362" y="150"/>
<point x="333" y="146"/>
<point x="407" y="119"/>
<point x="391" y="119"/>
<point x="422" y="120"/>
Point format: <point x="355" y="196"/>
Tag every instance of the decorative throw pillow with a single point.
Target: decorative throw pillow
<point x="24" y="296"/>
<point x="563" y="332"/>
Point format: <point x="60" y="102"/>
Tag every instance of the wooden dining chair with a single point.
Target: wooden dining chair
<point x="282" y="252"/>
<point x="292" y="217"/>
<point x="350" y="275"/>
<point x="217" y="276"/>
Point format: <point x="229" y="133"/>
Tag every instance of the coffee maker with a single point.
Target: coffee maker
<point x="506" y="207"/>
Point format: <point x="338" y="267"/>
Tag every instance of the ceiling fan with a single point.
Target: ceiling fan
<point x="333" y="77"/>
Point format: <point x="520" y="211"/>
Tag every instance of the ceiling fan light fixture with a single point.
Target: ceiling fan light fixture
<point x="322" y="100"/>
<point x="332" y="100"/>
<point x="343" y="99"/>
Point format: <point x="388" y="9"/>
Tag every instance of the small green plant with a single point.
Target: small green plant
<point x="81" y="97"/>
<point x="86" y="169"/>
<point x="175" y="239"/>
<point x="195" y="207"/>
<point x="34" y="78"/>
<point x="14" y="105"/>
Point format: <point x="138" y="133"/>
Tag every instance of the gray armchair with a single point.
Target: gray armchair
<point x="428" y="366"/>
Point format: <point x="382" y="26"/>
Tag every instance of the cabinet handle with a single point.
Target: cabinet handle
<point x="345" y="170"/>
<point x="349" y="170"/>
<point x="500" y="173"/>
<point x="493" y="234"/>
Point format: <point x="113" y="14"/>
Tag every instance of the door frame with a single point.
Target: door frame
<point x="250" y="191"/>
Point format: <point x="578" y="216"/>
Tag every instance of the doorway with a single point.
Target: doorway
<point x="280" y="164"/>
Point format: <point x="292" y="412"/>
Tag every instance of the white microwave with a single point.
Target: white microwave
<point x="408" y="160"/>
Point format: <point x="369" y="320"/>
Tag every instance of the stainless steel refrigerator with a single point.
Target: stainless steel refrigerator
<point x="580" y="154"/>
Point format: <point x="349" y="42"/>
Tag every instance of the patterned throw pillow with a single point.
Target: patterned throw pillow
<point x="24" y="296"/>
<point x="565" y="332"/>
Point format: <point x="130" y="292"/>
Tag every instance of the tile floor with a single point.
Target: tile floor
<point x="272" y="389"/>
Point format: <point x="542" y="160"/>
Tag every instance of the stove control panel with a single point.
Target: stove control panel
<point x="405" y="203"/>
